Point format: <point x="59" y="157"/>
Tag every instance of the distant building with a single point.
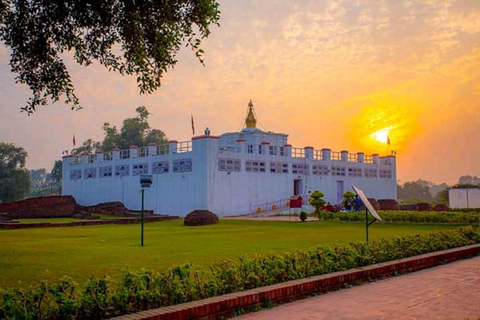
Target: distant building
<point x="232" y="174"/>
<point x="464" y="198"/>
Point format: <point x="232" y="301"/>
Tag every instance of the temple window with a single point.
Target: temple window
<point x="255" y="166"/>
<point x="370" y="173"/>
<point x="278" y="167"/>
<point x="339" y="171"/>
<point x="139" y="169"/>
<point x="320" y="170"/>
<point x="229" y="165"/>
<point x="300" y="168"/>
<point x="354" y="172"/>
<point x="90" y="173"/>
<point x="387" y="174"/>
<point x="182" y="165"/>
<point x="75" y="174"/>
<point x="105" y="172"/>
<point x="122" y="170"/>
<point x="160" y="167"/>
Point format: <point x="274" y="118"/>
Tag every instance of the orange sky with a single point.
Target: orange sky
<point x="327" y="73"/>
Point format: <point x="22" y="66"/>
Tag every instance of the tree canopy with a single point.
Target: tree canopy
<point x="414" y="192"/>
<point x="14" y="178"/>
<point x="44" y="183"/>
<point x="135" y="131"/>
<point x="140" y="38"/>
<point x="469" y="180"/>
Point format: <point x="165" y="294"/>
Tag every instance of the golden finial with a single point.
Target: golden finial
<point x="250" y="122"/>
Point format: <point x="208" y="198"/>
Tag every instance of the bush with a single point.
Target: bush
<point x="411" y="217"/>
<point x="141" y="290"/>
<point x="317" y="201"/>
<point x="303" y="216"/>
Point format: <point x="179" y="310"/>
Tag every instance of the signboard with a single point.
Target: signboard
<point x="367" y="203"/>
<point x="146" y="180"/>
<point x="296" y="202"/>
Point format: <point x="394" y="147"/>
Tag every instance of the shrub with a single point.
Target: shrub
<point x="411" y="217"/>
<point x="303" y="216"/>
<point x="317" y="201"/>
<point x="145" y="289"/>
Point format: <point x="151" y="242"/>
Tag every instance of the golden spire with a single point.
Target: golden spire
<point x="250" y="122"/>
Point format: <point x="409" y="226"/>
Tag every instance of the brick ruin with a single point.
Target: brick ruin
<point x="61" y="207"/>
<point x="200" y="218"/>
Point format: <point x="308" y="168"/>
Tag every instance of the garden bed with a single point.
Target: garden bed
<point x="142" y="290"/>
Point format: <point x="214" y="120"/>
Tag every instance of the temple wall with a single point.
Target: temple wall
<point x="228" y="179"/>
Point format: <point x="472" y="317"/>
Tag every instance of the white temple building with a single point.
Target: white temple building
<point x="232" y="174"/>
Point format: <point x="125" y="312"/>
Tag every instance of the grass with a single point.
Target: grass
<point x="47" y="220"/>
<point x="53" y="220"/>
<point x="108" y="216"/>
<point x="27" y="255"/>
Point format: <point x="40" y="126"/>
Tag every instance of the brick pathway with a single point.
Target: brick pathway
<point x="450" y="291"/>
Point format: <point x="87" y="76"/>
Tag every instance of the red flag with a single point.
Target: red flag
<point x="388" y="139"/>
<point x="193" y="126"/>
<point x="74" y="139"/>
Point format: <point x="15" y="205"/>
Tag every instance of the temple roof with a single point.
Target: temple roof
<point x="251" y="121"/>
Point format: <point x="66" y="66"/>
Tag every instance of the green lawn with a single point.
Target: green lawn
<point x="47" y="220"/>
<point x="53" y="220"/>
<point x="49" y="253"/>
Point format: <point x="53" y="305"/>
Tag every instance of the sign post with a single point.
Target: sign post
<point x="368" y="208"/>
<point x="145" y="182"/>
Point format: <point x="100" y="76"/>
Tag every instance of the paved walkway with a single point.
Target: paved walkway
<point x="450" y="291"/>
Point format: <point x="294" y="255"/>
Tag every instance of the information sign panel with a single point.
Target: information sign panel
<point x="367" y="203"/>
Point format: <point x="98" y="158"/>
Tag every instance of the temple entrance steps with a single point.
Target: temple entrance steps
<point x="277" y="207"/>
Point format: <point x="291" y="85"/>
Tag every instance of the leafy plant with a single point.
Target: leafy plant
<point x="303" y="216"/>
<point x="411" y="217"/>
<point x="317" y="201"/>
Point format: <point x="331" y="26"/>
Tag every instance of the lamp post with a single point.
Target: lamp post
<point x="145" y="182"/>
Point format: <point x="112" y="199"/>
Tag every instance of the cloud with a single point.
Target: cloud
<point x="314" y="69"/>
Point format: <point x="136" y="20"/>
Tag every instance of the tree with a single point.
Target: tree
<point x="43" y="183"/>
<point x="56" y="173"/>
<point x="135" y="131"/>
<point x="139" y="38"/>
<point x="442" y="197"/>
<point x="469" y="180"/>
<point x="38" y="177"/>
<point x="413" y="192"/>
<point x="88" y="146"/>
<point x="316" y="200"/>
<point x="14" y="178"/>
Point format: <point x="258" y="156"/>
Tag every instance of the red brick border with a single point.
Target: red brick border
<point x="224" y="306"/>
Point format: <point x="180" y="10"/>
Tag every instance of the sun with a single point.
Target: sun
<point x="381" y="135"/>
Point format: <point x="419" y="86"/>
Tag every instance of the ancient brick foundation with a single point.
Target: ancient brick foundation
<point x="115" y="208"/>
<point x="62" y="207"/>
<point x="388" y="204"/>
<point x="200" y="218"/>
<point x="374" y="203"/>
<point x="423" y="206"/>
<point x="441" y="207"/>
<point x="40" y="207"/>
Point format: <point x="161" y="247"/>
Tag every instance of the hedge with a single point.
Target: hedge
<point x="408" y="216"/>
<point x="140" y="290"/>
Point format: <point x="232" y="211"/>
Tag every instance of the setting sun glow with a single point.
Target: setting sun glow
<point x="381" y="135"/>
